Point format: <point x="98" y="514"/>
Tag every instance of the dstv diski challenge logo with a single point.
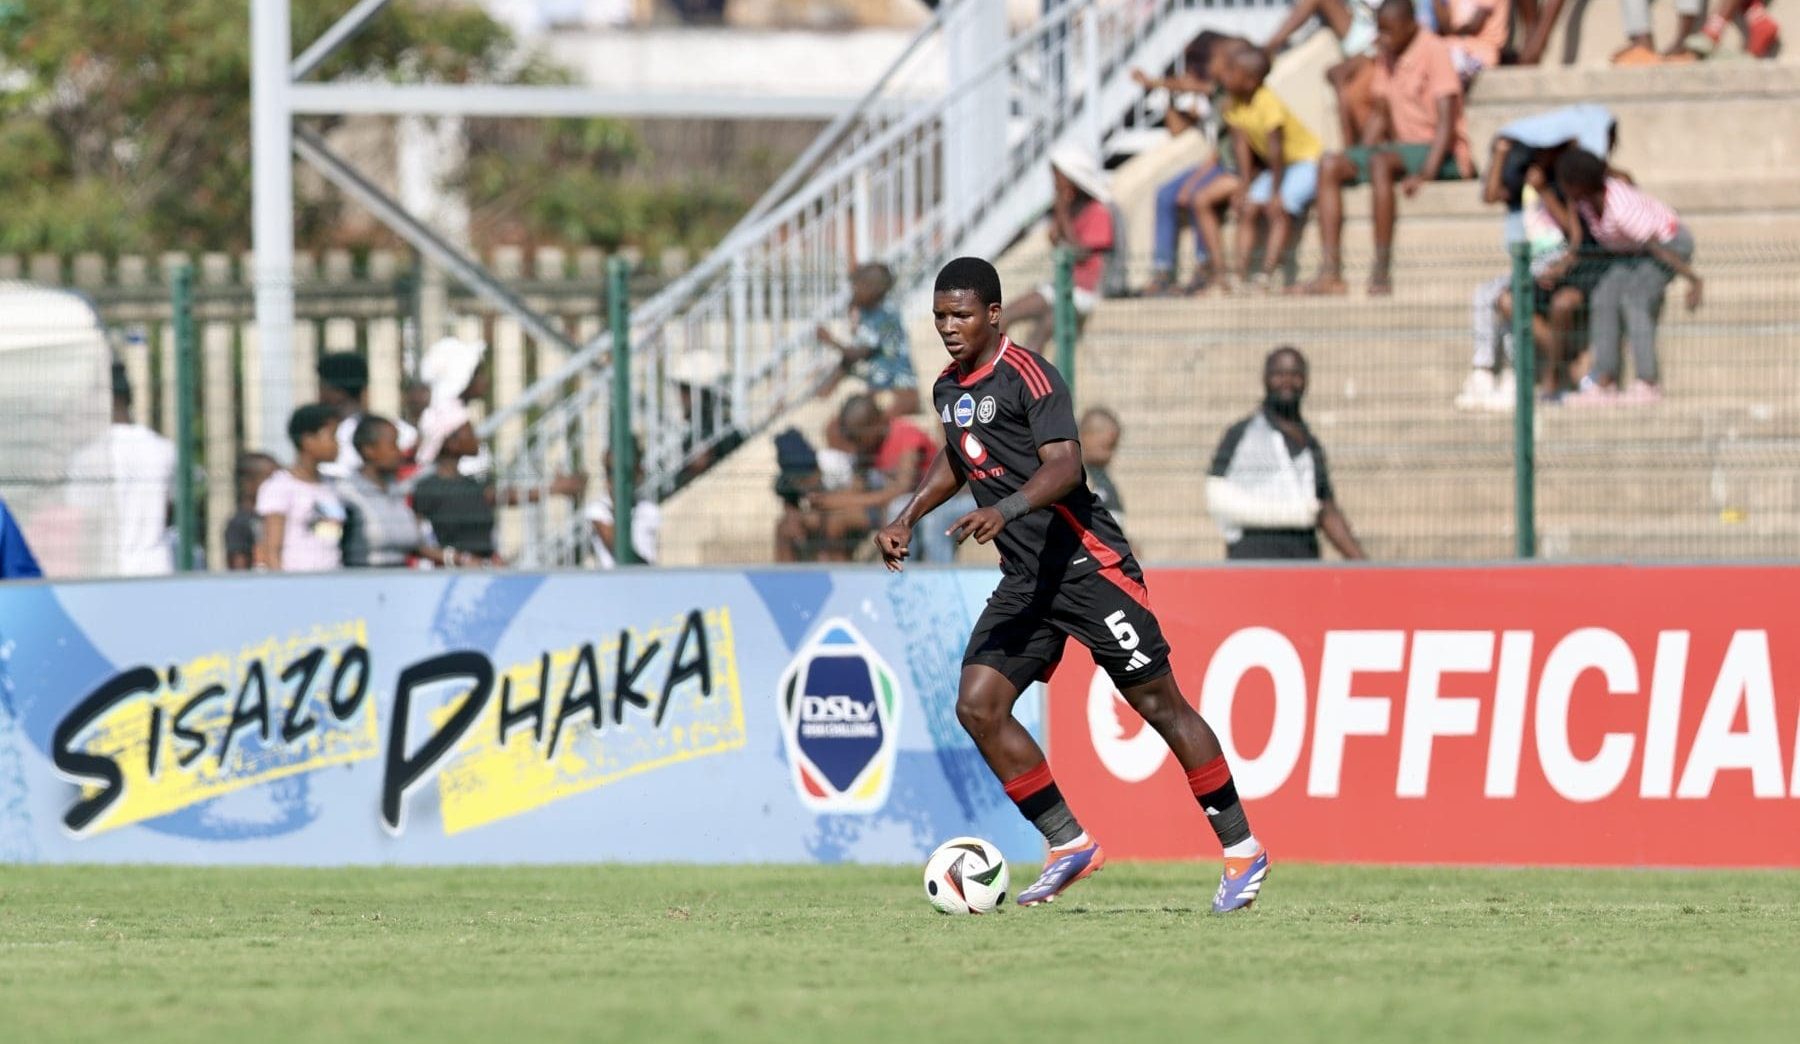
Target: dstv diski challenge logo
<point x="839" y="704"/>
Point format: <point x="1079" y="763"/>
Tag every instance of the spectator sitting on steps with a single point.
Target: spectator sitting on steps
<point x="884" y="462"/>
<point x="1760" y="31"/>
<point x="1268" y="488"/>
<point x="1264" y="129"/>
<point x="1353" y="23"/>
<point x="1655" y="246"/>
<point x="1081" y="219"/>
<point x="1476" y="31"/>
<point x="1418" y="134"/>
<point x="878" y="351"/>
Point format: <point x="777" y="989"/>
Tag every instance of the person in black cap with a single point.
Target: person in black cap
<point x="343" y="382"/>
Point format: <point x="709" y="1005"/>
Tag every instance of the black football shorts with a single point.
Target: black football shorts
<point x="1022" y="631"/>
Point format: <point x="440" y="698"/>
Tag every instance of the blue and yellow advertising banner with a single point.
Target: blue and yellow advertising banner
<point x="777" y="715"/>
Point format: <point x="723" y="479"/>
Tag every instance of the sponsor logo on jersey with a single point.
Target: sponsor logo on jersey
<point x="972" y="448"/>
<point x="965" y="410"/>
<point x="839" y="705"/>
<point x="985" y="413"/>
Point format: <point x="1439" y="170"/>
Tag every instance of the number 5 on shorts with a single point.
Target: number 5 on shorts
<point x="1124" y="632"/>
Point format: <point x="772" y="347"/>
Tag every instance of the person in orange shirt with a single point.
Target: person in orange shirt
<point x="1418" y="134"/>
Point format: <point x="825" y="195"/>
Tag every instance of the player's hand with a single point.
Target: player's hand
<point x="984" y="524"/>
<point x="892" y="541"/>
<point x="1412" y="184"/>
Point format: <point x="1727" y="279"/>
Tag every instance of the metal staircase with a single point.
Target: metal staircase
<point x="945" y="155"/>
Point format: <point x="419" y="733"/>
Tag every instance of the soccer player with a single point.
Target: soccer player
<point x="1010" y="433"/>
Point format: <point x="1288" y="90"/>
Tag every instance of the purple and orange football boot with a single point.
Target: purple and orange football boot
<point x="1241" y="882"/>
<point x="1063" y="870"/>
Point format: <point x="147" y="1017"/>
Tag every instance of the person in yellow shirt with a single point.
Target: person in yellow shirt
<point x="1265" y="130"/>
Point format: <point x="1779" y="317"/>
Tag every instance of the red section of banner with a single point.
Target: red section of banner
<point x="1580" y="716"/>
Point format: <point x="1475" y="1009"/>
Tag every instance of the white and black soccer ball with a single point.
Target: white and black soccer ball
<point x="966" y="875"/>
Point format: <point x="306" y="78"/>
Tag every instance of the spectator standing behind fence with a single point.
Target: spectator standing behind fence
<point x="343" y="386"/>
<point x="244" y="530"/>
<point x="1263" y="126"/>
<point x="122" y="483"/>
<point x="1100" y="432"/>
<point x="302" y="516"/>
<point x="459" y="508"/>
<point x="646" y="517"/>
<point x="380" y="529"/>
<point x="1194" y="198"/>
<point x="16" y="560"/>
<point x="1417" y="134"/>
<point x="1268" y="489"/>
<point x="1655" y="247"/>
<point x="1081" y="219"/>
<point x="878" y="351"/>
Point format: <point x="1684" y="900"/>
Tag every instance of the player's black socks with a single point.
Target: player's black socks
<point x="1218" y="797"/>
<point x="1034" y="791"/>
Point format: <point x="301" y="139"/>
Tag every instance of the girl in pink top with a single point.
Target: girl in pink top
<point x="1653" y="247"/>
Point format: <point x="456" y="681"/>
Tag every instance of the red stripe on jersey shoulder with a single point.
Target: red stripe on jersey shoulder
<point x="1007" y="348"/>
<point x="1028" y="368"/>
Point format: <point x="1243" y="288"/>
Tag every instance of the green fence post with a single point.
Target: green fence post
<point x="181" y="313"/>
<point x="624" y="456"/>
<point x="1524" y="294"/>
<point x="1065" y="316"/>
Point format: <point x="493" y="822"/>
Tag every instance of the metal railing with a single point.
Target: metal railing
<point x="945" y="155"/>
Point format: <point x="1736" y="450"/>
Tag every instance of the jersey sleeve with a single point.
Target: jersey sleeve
<point x="1221" y="462"/>
<point x="1049" y="411"/>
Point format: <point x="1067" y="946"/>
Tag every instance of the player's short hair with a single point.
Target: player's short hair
<point x="1396" y="9"/>
<point x="972" y="274"/>
<point x="1580" y="170"/>
<point x="308" y="419"/>
<point x="1286" y="349"/>
<point x="367" y="431"/>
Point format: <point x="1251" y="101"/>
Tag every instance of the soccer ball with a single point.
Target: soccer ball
<point x="966" y="875"/>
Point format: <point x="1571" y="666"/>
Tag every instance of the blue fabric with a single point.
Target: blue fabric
<point x="1171" y="218"/>
<point x="16" y="559"/>
<point x="1587" y="125"/>
<point x="880" y="330"/>
<point x="1299" y="185"/>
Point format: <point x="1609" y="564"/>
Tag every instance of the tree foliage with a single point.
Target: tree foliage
<point x="125" y="127"/>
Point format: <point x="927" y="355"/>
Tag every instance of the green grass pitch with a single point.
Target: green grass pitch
<point x="854" y="954"/>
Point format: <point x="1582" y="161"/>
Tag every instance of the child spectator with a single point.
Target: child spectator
<point x="646" y="516"/>
<point x="1656" y="247"/>
<point x="1760" y="31"/>
<point x="302" y="516"/>
<point x="244" y="531"/>
<point x="343" y="386"/>
<point x="878" y="351"/>
<point x="380" y="530"/>
<point x="856" y="488"/>
<point x="1081" y="218"/>
<point x="1476" y="31"/>
<point x="1100" y="433"/>
<point x="1418" y="134"/>
<point x="1194" y="198"/>
<point x="1262" y="125"/>
<point x="458" y="507"/>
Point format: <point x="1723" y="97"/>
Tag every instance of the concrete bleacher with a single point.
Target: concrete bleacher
<point x="1707" y="473"/>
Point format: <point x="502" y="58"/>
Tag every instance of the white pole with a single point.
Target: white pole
<point x="272" y="203"/>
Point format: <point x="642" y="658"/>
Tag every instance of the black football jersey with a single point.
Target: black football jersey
<point x="994" y="421"/>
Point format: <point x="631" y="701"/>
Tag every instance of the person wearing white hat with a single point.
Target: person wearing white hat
<point x="1080" y="218"/>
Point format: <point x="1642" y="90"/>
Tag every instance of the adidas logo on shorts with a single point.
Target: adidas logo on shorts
<point x="1137" y="660"/>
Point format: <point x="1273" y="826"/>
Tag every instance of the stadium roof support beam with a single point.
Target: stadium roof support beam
<point x="493" y="100"/>
<point x="334" y="37"/>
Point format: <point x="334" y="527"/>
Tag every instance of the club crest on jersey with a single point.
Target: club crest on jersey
<point x="972" y="448"/>
<point x="965" y="410"/>
<point x="839" y="705"/>
<point x="985" y="413"/>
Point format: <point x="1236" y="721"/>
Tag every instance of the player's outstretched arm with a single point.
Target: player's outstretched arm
<point x="941" y="481"/>
<point x="1059" y="473"/>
